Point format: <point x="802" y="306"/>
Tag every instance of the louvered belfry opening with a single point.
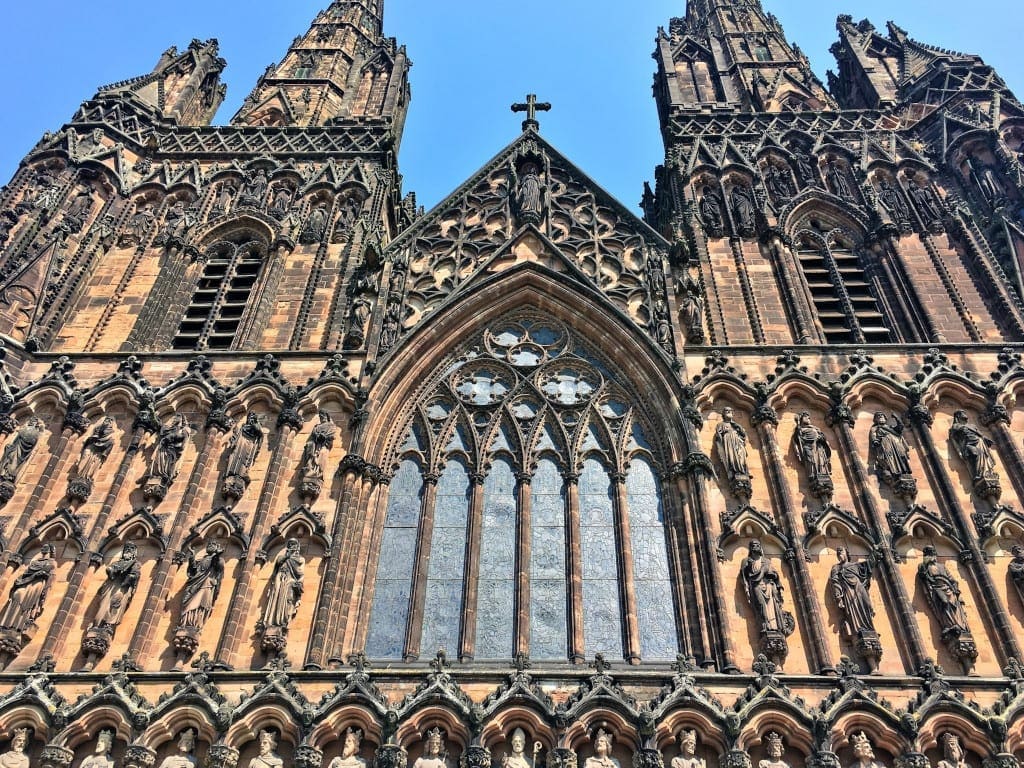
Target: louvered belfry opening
<point x="846" y="307"/>
<point x="222" y="294"/>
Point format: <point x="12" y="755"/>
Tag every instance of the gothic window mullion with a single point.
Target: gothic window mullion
<point x="843" y="295"/>
<point x="417" y="593"/>
<point x="574" y="597"/>
<point x="624" y="553"/>
<point x="522" y="563"/>
<point x="471" y="593"/>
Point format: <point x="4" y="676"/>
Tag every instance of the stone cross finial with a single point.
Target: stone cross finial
<point x="530" y="108"/>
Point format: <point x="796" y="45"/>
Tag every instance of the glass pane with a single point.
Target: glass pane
<point x="653" y="588"/>
<point x="390" y="610"/>
<point x="496" y="597"/>
<point x="548" y="593"/>
<point x="602" y="622"/>
<point x="442" y="608"/>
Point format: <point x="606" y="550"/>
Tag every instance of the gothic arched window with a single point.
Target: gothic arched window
<point x="842" y="294"/>
<point x="231" y="269"/>
<point x="525" y="511"/>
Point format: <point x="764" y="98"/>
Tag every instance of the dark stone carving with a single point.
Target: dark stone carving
<point x="850" y="583"/>
<point x="691" y="310"/>
<point x="163" y="468"/>
<point x="283" y="597"/>
<point x="113" y="601"/>
<point x="16" y="454"/>
<point x="731" y="446"/>
<point x="974" y="448"/>
<point x="254" y="190"/>
<point x="282" y="201"/>
<point x="25" y="603"/>
<point x="743" y="211"/>
<point x="894" y="202"/>
<point x="763" y="588"/>
<point x="943" y="594"/>
<point x="1016" y="569"/>
<point x="95" y="451"/>
<point x="205" y="576"/>
<point x="311" y="468"/>
<point x="78" y="210"/>
<point x="140" y="756"/>
<point x="315" y="227"/>
<point x="892" y="456"/>
<point x="56" y="756"/>
<point x="221" y="756"/>
<point x="245" y="446"/>
<point x="530" y="192"/>
<point x="814" y="453"/>
<point x="711" y="212"/>
<point x="835" y="177"/>
<point x="778" y="183"/>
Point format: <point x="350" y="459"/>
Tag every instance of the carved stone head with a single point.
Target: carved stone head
<point x="187" y="741"/>
<point x="688" y="741"/>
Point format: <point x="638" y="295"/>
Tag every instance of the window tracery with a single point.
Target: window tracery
<point x="569" y="489"/>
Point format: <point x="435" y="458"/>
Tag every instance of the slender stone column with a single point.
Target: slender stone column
<point x="523" y="532"/>
<point x="624" y="545"/>
<point x="472" y="582"/>
<point x="575" y="561"/>
<point x="424" y="537"/>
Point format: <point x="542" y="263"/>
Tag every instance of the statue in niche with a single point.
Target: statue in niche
<point x="974" y="448"/>
<point x="225" y="193"/>
<point x="320" y="442"/>
<point x="434" y="753"/>
<point x="688" y="751"/>
<point x="778" y="183"/>
<point x="602" y="757"/>
<point x="805" y="167"/>
<point x="254" y="189"/>
<point x="25" y="603"/>
<point x="926" y="203"/>
<point x="184" y="757"/>
<point x="836" y="178"/>
<point x="79" y="208"/>
<point x="202" y="585"/>
<point x="691" y="310"/>
<point x="114" y="598"/>
<point x="517" y="757"/>
<point x="16" y="454"/>
<point x="743" y="210"/>
<point x="41" y="185"/>
<point x="95" y="450"/>
<point x="892" y="454"/>
<point x="850" y="584"/>
<point x="283" y="596"/>
<point x="351" y="207"/>
<point x="361" y="308"/>
<point x="245" y="447"/>
<point x="316" y="225"/>
<point x="529" y="192"/>
<point x="349" y="757"/>
<point x="101" y="758"/>
<point x="813" y="451"/>
<point x="267" y="757"/>
<point x="893" y="201"/>
<point x="764" y="591"/>
<point x="1016" y="569"/>
<point x="170" y="445"/>
<point x="710" y="210"/>
<point x="392" y="325"/>
<point x="731" y="445"/>
<point x="863" y="752"/>
<point x="952" y="752"/>
<point x="15" y="756"/>
<point x="943" y="594"/>
<point x="282" y="201"/>
<point x="138" y="226"/>
<point x="985" y="179"/>
<point x="774" y="748"/>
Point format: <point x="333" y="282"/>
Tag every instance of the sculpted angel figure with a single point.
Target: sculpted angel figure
<point x="350" y="751"/>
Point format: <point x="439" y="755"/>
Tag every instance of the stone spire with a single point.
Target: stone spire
<point x="343" y="68"/>
<point x="731" y="54"/>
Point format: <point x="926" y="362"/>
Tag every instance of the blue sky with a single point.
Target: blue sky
<point x="472" y="59"/>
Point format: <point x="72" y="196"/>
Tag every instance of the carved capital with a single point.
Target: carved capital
<point x="390" y="756"/>
<point x="561" y="757"/>
<point x="56" y="756"/>
<point x="138" y="756"/>
<point x="307" y="756"/>
<point x="475" y="756"/>
<point x="1001" y="760"/>
<point x="912" y="760"/>
<point x="221" y="756"/>
<point x="648" y="758"/>
<point x="736" y="758"/>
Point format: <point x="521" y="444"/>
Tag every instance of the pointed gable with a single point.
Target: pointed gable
<point x="529" y="205"/>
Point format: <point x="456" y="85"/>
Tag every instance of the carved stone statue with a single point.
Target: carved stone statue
<point x="349" y="757"/>
<point x="973" y="448"/>
<point x="836" y="179"/>
<point x="952" y="752"/>
<point x="530" y="194"/>
<point x="763" y="588"/>
<point x="774" y="748"/>
<point x="315" y="226"/>
<point x="115" y="596"/>
<point x="283" y="596"/>
<point x="15" y="757"/>
<point x="743" y="210"/>
<point x="100" y="758"/>
<point x="892" y="455"/>
<point x="926" y="203"/>
<point x="805" y="167"/>
<point x="320" y="442"/>
<point x="943" y="594"/>
<point x="138" y="226"/>
<point x="184" y="757"/>
<point x="731" y="445"/>
<point x="711" y="211"/>
<point x="602" y="757"/>
<point x="267" y="758"/>
<point x="434" y="754"/>
<point x="25" y="601"/>
<point x="16" y="454"/>
<point x="170" y="446"/>
<point x="517" y="757"/>
<point x="361" y="308"/>
<point x="691" y="309"/>
<point x="778" y="182"/>
<point x="95" y="451"/>
<point x="282" y="202"/>
<point x="255" y="188"/>
<point x="893" y="201"/>
<point x="245" y="447"/>
<point x="813" y="451"/>
<point x="202" y="586"/>
<point x="78" y="210"/>
<point x="1016" y="569"/>
<point x="863" y="752"/>
<point x="850" y="583"/>
<point x="688" y="757"/>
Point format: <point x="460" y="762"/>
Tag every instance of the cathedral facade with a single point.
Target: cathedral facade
<point x="294" y="473"/>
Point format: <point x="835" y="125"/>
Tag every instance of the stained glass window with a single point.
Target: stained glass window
<point x="602" y="615"/>
<point x="496" y="591"/>
<point x="548" y="633"/>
